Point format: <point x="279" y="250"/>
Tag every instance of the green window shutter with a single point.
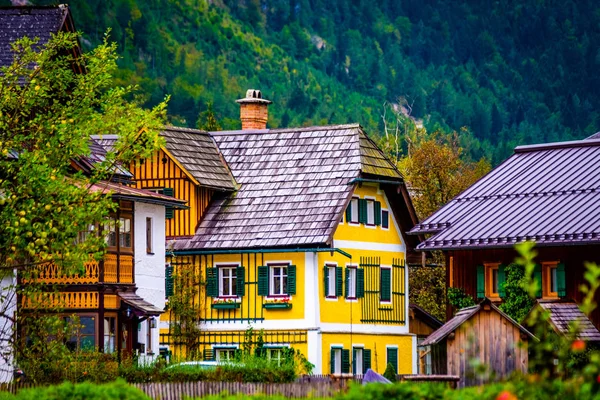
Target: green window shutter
<point x="537" y="275"/>
<point x="386" y="282"/>
<point x="212" y="282"/>
<point x="349" y="212"/>
<point x="240" y="285"/>
<point x="345" y="361"/>
<point x="501" y="280"/>
<point x="377" y="213"/>
<point x="480" y="281"/>
<point x="561" y="283"/>
<point x="353" y="361"/>
<point x="392" y="358"/>
<point x="362" y="211"/>
<point x="332" y="361"/>
<point x="169" y="286"/>
<point x="347" y="287"/>
<point x="360" y="283"/>
<point x="263" y="280"/>
<point x="291" y="279"/>
<point x="209" y="355"/>
<point x="326" y="280"/>
<point x="366" y="360"/>
<point x="339" y="281"/>
<point x="169" y="212"/>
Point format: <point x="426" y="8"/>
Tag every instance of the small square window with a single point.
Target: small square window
<point x="278" y="281"/>
<point x="228" y="281"/>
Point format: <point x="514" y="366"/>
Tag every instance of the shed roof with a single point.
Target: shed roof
<point x="545" y="193"/>
<point x="294" y="185"/>
<point x="30" y="21"/>
<point x="463" y="316"/>
<point x="119" y="191"/>
<point x="563" y="313"/>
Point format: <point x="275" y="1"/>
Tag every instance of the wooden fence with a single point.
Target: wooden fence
<point x="313" y="386"/>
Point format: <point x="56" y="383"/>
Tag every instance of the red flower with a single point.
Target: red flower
<point x="598" y="379"/>
<point x="578" y="346"/>
<point x="506" y="395"/>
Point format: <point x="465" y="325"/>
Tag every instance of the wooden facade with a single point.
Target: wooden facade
<point x="483" y="334"/>
<point x="462" y="269"/>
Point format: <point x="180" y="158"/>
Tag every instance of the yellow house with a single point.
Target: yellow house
<point x="300" y="233"/>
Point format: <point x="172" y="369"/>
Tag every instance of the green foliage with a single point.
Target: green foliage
<point x="427" y="287"/>
<point x="89" y="391"/>
<point x="458" y="299"/>
<point x="207" y="120"/>
<point x="517" y="302"/>
<point x="390" y="373"/>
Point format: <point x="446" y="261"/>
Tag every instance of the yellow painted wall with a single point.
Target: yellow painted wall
<point x="376" y="343"/>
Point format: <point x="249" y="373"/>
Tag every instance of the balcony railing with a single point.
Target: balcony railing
<point x="52" y="274"/>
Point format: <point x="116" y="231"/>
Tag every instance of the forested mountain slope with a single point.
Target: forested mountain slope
<point x="510" y="71"/>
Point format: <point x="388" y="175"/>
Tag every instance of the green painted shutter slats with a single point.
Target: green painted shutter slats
<point x="169" y="213"/>
<point x="561" y="284"/>
<point x="326" y="280"/>
<point x="347" y="286"/>
<point x="345" y="361"/>
<point x="209" y="355"/>
<point x="212" y="283"/>
<point x="339" y="281"/>
<point x="291" y="279"/>
<point x="353" y="361"/>
<point x="537" y="275"/>
<point x="386" y="284"/>
<point x="332" y="361"/>
<point x="392" y="358"/>
<point x="240" y="285"/>
<point x="349" y="212"/>
<point x="480" y="281"/>
<point x="263" y="280"/>
<point x="169" y="286"/>
<point x="360" y="283"/>
<point x="377" y="213"/>
<point x="501" y="280"/>
<point x="362" y="211"/>
<point x="366" y="360"/>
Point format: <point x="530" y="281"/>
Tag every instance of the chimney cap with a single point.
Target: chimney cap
<point x="253" y="96"/>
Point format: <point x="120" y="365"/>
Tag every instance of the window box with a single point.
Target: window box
<point x="225" y="306"/>
<point x="277" y="306"/>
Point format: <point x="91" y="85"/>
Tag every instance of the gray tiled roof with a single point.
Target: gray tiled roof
<point x="17" y="22"/>
<point x="562" y="314"/>
<point x="546" y="193"/>
<point x="294" y="186"/>
<point x="197" y="152"/>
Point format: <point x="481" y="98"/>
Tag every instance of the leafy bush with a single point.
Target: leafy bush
<point x="390" y="373"/>
<point x="459" y="299"/>
<point x="89" y="391"/>
<point x="517" y="302"/>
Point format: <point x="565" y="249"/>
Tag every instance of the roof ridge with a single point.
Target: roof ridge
<point x="34" y="6"/>
<point x="557" y="145"/>
<point x="185" y="129"/>
<point x="530" y="194"/>
<point x="355" y="125"/>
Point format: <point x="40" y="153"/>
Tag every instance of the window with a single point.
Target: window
<point x="385" y="219"/>
<point x="330" y="271"/>
<point x="110" y="334"/>
<point x="125" y="232"/>
<point x="351" y="282"/>
<point x="357" y="361"/>
<point x="227" y="281"/>
<point x="352" y="211"/>
<point x="83" y="235"/>
<point x="490" y="280"/>
<point x="149" y="246"/>
<point x="83" y="333"/>
<point x="122" y="235"/>
<point x="339" y="360"/>
<point x="276" y="354"/>
<point x="279" y="280"/>
<point x="370" y="212"/>
<point x="392" y="357"/>
<point x="385" y="294"/>
<point x="225" y="354"/>
<point x="149" y="336"/>
<point x="553" y="279"/>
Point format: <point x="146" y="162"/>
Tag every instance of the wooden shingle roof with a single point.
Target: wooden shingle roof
<point x="30" y="21"/>
<point x="564" y="313"/>
<point x="294" y="185"/>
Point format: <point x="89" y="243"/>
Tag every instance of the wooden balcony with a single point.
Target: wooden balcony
<point x="117" y="269"/>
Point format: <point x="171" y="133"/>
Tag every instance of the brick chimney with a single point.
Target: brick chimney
<point x="253" y="110"/>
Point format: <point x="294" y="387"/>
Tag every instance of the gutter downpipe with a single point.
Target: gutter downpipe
<point x="253" y="251"/>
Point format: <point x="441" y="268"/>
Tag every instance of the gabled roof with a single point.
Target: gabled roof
<point x="123" y="192"/>
<point x="294" y="185"/>
<point x="98" y="155"/>
<point x="563" y="313"/>
<point x="30" y="21"/>
<point x="546" y="193"/>
<point x="463" y="316"/>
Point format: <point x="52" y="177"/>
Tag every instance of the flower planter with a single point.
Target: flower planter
<point x="225" y="306"/>
<point x="277" y="306"/>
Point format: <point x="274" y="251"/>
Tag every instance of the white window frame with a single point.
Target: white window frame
<point x="354" y="211"/>
<point x="351" y="282"/>
<point x="283" y="288"/>
<point x="370" y="212"/>
<point x="279" y="347"/>
<point x="220" y="270"/>
<point x="331" y="273"/>
<point x="337" y="359"/>
<point x="230" y="350"/>
<point x="358" y="366"/>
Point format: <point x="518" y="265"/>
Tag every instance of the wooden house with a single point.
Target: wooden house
<point x="422" y="324"/>
<point x="545" y="193"/>
<point x="481" y="334"/>
<point x="299" y="232"/>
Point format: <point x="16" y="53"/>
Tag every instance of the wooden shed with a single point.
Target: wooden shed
<point x="481" y="334"/>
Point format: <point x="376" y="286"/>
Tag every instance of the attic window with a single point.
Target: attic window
<point x="385" y="219"/>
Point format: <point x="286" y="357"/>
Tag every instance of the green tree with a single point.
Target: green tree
<point x="517" y="302"/>
<point x="207" y="120"/>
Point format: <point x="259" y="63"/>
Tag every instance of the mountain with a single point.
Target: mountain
<point x="511" y="72"/>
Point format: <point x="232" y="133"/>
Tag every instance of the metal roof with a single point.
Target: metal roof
<point x="463" y="316"/>
<point x="545" y="193"/>
<point x="30" y="21"/>
<point x="293" y="186"/>
<point x="561" y="316"/>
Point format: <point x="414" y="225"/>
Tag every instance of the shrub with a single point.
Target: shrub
<point x="87" y="390"/>
<point x="390" y="373"/>
<point x="517" y="302"/>
<point x="459" y="299"/>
